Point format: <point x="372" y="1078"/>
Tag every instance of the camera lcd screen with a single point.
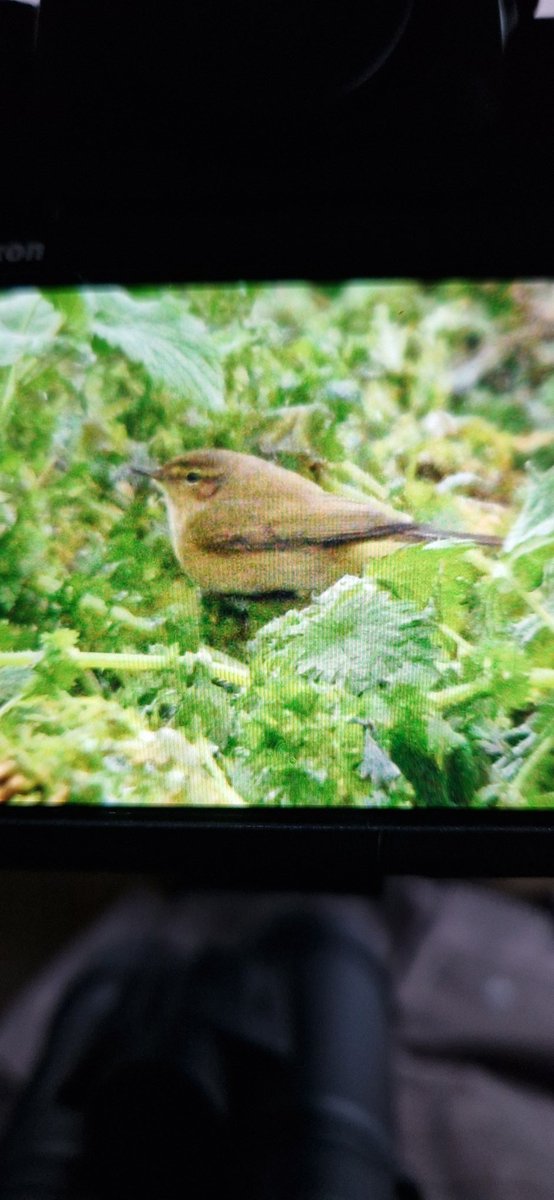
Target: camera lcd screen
<point x="278" y="545"/>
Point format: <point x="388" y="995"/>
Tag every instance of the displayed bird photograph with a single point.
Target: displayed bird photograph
<point x="278" y="545"/>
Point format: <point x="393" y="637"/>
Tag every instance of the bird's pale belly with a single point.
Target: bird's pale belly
<point x="255" y="572"/>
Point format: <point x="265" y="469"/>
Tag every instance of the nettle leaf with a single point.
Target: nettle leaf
<point x="56" y="670"/>
<point x="74" y="310"/>
<point x="160" y="334"/>
<point x="504" y="666"/>
<point x="376" y="764"/>
<point x="417" y="759"/>
<point x="439" y="761"/>
<point x="531" y="631"/>
<point x="388" y="340"/>
<point x="13" y="681"/>
<point x="534" y="527"/>
<point x="355" y="635"/>
<point x="28" y="326"/>
<point x="437" y="571"/>
<point x="521" y="761"/>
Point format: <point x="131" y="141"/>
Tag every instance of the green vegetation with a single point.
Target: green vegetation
<point x="430" y="681"/>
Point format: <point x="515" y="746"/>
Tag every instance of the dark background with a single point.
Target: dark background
<point x="193" y="142"/>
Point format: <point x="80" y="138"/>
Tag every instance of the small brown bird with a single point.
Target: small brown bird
<point x="241" y="525"/>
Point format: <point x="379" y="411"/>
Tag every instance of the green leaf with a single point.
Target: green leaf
<point x="534" y="527"/>
<point x="74" y="310"/>
<point x="388" y="340"/>
<point x="441" y="571"/>
<point x="13" y="682"/>
<point x="165" y="339"/>
<point x="531" y="631"/>
<point x="205" y="708"/>
<point x="56" y="670"/>
<point x="437" y="759"/>
<point x="356" y="635"/>
<point x="28" y="325"/>
<point x="90" y="750"/>
<point x="464" y="773"/>
<point x="410" y="750"/>
<point x="504" y="666"/>
<point x="300" y="742"/>
<point x="376" y="764"/>
<point x="521" y="761"/>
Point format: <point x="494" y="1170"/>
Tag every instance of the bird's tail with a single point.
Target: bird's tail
<point x="426" y="533"/>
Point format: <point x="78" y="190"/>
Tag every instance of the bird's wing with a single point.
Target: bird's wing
<point x="246" y="525"/>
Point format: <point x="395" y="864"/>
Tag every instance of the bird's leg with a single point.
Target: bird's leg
<point x="230" y="621"/>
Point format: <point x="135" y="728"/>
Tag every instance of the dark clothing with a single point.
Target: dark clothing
<point x="472" y="974"/>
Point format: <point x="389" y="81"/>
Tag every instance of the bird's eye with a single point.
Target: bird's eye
<point x="193" y="476"/>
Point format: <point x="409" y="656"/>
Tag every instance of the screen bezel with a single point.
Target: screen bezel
<point x="298" y="848"/>
<point x="292" y="848"/>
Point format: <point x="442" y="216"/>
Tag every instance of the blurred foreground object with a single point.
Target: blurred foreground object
<point x="471" y="978"/>
<point x="266" y="1065"/>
